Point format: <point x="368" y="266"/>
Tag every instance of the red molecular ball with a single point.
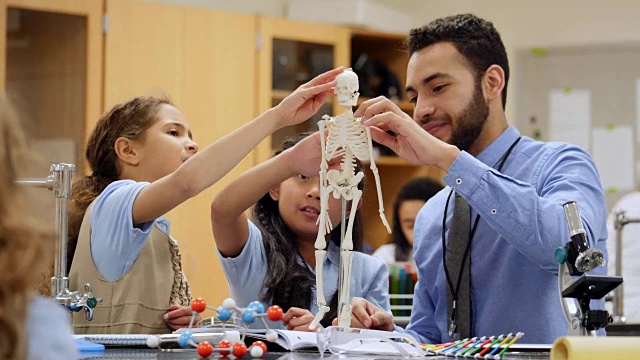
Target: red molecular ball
<point x="198" y="305"/>
<point x="239" y="349"/>
<point x="205" y="349"/>
<point x="224" y="344"/>
<point x="275" y="313"/>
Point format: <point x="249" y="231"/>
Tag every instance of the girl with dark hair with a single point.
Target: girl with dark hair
<point x="272" y="257"/>
<point x="144" y="163"/>
<point x="412" y="196"/>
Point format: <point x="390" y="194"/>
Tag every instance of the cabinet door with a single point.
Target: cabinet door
<point x="292" y="53"/>
<point x="205" y="62"/>
<point x="51" y="69"/>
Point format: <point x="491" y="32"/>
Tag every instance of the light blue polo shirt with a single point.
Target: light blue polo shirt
<point x="49" y="331"/>
<point x="246" y="273"/>
<point x="115" y="242"/>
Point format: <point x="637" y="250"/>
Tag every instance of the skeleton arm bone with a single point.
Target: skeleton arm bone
<point x="374" y="169"/>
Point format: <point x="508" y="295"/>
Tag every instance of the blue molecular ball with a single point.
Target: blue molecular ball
<point x="184" y="340"/>
<point x="223" y="314"/>
<point x="257" y="307"/>
<point x="247" y="317"/>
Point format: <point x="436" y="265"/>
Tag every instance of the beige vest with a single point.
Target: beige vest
<point x="136" y="302"/>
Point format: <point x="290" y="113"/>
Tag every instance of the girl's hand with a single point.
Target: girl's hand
<point x="305" y="157"/>
<point x="365" y="315"/>
<point x="307" y="99"/>
<point x="298" y="319"/>
<point x="179" y="317"/>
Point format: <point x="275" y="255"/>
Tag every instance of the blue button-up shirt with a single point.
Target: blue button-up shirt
<point x="514" y="282"/>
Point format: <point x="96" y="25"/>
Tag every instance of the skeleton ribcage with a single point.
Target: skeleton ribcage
<point x="347" y="134"/>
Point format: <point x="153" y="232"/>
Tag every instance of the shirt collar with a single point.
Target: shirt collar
<point x="492" y="153"/>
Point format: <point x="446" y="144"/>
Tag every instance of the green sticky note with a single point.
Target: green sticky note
<point x="537" y="134"/>
<point x="610" y="126"/>
<point x="567" y="89"/>
<point x="612" y="190"/>
<point x="540" y="52"/>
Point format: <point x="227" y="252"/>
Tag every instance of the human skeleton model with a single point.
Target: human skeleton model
<point x="349" y="139"/>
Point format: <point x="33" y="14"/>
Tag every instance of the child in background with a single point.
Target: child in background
<point x="144" y="163"/>
<point x="272" y="258"/>
<point x="412" y="196"/>
<point x="31" y="326"/>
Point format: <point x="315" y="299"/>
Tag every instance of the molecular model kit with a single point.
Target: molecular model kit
<point x="233" y="340"/>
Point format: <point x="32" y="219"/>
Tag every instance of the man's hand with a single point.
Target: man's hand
<point x="179" y="317"/>
<point x="411" y="142"/>
<point x="365" y="315"/>
<point x="298" y="319"/>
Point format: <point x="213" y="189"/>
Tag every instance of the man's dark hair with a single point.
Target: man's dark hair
<point x="475" y="38"/>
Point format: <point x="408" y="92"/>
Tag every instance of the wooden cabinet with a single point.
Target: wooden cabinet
<point x="292" y="53"/>
<point x="51" y="69"/>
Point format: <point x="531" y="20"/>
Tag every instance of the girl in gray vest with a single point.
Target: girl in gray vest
<point x="144" y="163"/>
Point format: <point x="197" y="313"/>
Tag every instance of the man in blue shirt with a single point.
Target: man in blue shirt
<point x="457" y="78"/>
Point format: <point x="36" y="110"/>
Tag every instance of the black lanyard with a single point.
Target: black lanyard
<point x="454" y="292"/>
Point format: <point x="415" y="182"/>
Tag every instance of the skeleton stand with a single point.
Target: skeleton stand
<point x="349" y="139"/>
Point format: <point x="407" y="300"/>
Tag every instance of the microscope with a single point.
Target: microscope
<point x="575" y="259"/>
<point x="60" y="183"/>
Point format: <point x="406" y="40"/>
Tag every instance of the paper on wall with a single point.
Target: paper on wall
<point x="638" y="110"/>
<point x="612" y="151"/>
<point x="570" y="116"/>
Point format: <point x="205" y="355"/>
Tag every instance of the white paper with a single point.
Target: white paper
<point x="612" y="152"/>
<point x="638" y="110"/>
<point x="570" y="116"/>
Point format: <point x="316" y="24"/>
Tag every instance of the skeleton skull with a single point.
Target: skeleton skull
<point x="347" y="88"/>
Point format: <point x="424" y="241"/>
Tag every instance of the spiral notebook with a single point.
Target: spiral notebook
<point x="116" y="339"/>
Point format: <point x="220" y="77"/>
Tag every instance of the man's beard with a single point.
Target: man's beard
<point x="466" y="127"/>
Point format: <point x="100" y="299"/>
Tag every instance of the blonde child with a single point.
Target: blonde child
<point x="144" y="163"/>
<point x="272" y="257"/>
<point x="30" y="326"/>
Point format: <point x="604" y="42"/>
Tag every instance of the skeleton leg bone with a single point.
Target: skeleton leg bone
<point x="322" y="303"/>
<point x="346" y="255"/>
<point x="344" y="301"/>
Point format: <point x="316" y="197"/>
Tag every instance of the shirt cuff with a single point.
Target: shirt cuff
<point x="465" y="174"/>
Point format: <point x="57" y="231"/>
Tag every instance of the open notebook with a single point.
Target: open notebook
<point x="364" y="342"/>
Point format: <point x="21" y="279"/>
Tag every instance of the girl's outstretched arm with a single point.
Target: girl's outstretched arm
<point x="228" y="219"/>
<point x="209" y="165"/>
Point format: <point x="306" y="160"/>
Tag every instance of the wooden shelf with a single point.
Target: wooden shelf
<point x="387" y="160"/>
<point x="279" y="95"/>
<point x="403" y="105"/>
<point x="362" y="32"/>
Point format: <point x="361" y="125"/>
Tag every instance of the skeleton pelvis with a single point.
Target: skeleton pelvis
<point x="343" y="183"/>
